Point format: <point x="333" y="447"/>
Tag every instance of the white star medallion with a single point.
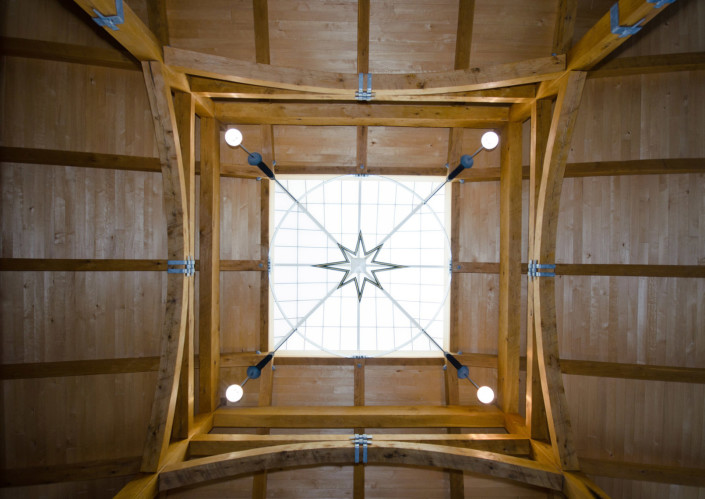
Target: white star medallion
<point x="360" y="266"/>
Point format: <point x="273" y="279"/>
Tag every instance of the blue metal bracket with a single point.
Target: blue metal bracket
<point x="189" y="266"/>
<point x="111" y="21"/>
<point x="359" y="440"/>
<point x="534" y="267"/>
<point x="361" y="93"/>
<point x="622" y="31"/>
<point x="660" y="3"/>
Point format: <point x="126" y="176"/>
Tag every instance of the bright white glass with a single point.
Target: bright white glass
<point x="233" y="393"/>
<point x="233" y="137"/>
<point x="489" y="140"/>
<point x="485" y="394"/>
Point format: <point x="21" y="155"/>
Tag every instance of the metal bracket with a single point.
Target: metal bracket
<point x="660" y="3"/>
<point x="189" y="266"/>
<point x="534" y="267"/>
<point x="622" y="31"/>
<point x="361" y="93"/>
<point x="111" y="21"/>
<point x="363" y="440"/>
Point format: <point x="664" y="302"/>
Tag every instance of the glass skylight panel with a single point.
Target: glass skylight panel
<point x="360" y="265"/>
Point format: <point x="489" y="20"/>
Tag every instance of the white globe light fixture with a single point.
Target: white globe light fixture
<point x="489" y="140"/>
<point x="234" y="393"/>
<point x="485" y="394"/>
<point x="233" y="137"/>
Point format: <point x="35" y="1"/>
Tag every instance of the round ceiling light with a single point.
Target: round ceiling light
<point x="489" y="140"/>
<point x="233" y="137"/>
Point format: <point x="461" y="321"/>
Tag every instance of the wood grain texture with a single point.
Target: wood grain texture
<point x="175" y="317"/>
<point x="558" y="144"/>
<point x="209" y="275"/>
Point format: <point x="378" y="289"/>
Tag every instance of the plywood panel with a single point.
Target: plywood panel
<point x="68" y="420"/>
<point x="239" y="311"/>
<point x="55" y="105"/>
<point x="632" y="319"/>
<point x="638" y="421"/>
<point x="239" y="219"/>
<point x="313" y="385"/>
<point x="314" y="34"/>
<point x="391" y="147"/>
<point x="479" y="222"/>
<point x="391" y="482"/>
<point x="96" y="489"/>
<point x="479" y="312"/>
<point x="649" y="219"/>
<point x="392" y="385"/>
<point x="315" y="146"/>
<point x="626" y="489"/>
<point x="489" y="487"/>
<point x="65" y="212"/>
<point x="219" y="27"/>
<point x="49" y="20"/>
<point x="327" y="482"/>
<point x="411" y="37"/>
<point x="508" y="31"/>
<point x="56" y="316"/>
<point x="239" y="488"/>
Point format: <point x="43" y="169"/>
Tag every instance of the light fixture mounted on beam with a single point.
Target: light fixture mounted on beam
<point x="234" y="392"/>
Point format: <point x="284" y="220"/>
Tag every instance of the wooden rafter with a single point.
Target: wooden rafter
<point x="565" y="24"/>
<point x="557" y="147"/>
<point x="278" y="457"/>
<point x="175" y="317"/>
<point x="209" y="273"/>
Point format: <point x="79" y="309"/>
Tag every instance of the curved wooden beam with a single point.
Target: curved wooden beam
<point x="557" y="148"/>
<point x="464" y="80"/>
<point x="175" y="316"/>
<point x="385" y="453"/>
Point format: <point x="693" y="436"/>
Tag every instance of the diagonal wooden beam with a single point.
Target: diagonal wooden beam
<point x="158" y="22"/>
<point x="222" y="68"/>
<point x="175" y="317"/>
<point x="209" y="272"/>
<point x="509" y="268"/>
<point x="557" y="148"/>
<point x="565" y="25"/>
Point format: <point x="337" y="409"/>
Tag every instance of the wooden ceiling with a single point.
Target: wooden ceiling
<point x="114" y="373"/>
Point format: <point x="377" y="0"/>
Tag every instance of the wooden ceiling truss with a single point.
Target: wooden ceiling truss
<point x="179" y="450"/>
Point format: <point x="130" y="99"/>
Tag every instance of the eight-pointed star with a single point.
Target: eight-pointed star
<point x="358" y="265"/>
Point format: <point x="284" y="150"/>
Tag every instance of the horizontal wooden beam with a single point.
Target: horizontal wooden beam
<point x="64" y="52"/>
<point x="221" y="89"/>
<point x="358" y="114"/>
<point x="114" y="265"/>
<point x="27" y="155"/>
<point x="594" y="269"/>
<point x="359" y="416"/>
<point x="679" y="475"/>
<point x="219" y="443"/>
<point x="384" y="453"/>
<point x="626" y="66"/>
<point x="91" y="470"/>
<point x="488" y="361"/>
<point x="503" y="75"/>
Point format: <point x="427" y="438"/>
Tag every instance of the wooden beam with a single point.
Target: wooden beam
<point x="565" y="25"/>
<point x="509" y="269"/>
<point x="91" y="470"/>
<point x="579" y="486"/>
<point x="557" y="148"/>
<point x="680" y="475"/>
<point x="331" y="453"/>
<point x="636" y="167"/>
<point x="65" y="52"/>
<point x="185" y="109"/>
<point x="175" y="316"/>
<point x="649" y="64"/>
<point x="28" y="155"/>
<point x="267" y="133"/>
<point x="359" y="401"/>
<point x="351" y="417"/>
<point x="535" y="409"/>
<point x="503" y="75"/>
<point x="599" y="41"/>
<point x="594" y="269"/>
<point x="209" y="278"/>
<point x="158" y="22"/>
<point x="221" y="443"/>
<point x="671" y="374"/>
<point x="463" y="34"/>
<point x="113" y="265"/>
<point x="78" y="368"/>
<point x="259" y="481"/>
<point x="332" y="114"/>
<point x="261" y="23"/>
<point x="221" y="89"/>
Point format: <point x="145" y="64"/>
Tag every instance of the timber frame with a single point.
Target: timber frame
<point x="538" y="449"/>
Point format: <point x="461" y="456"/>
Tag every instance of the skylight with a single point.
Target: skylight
<point x="359" y="266"/>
